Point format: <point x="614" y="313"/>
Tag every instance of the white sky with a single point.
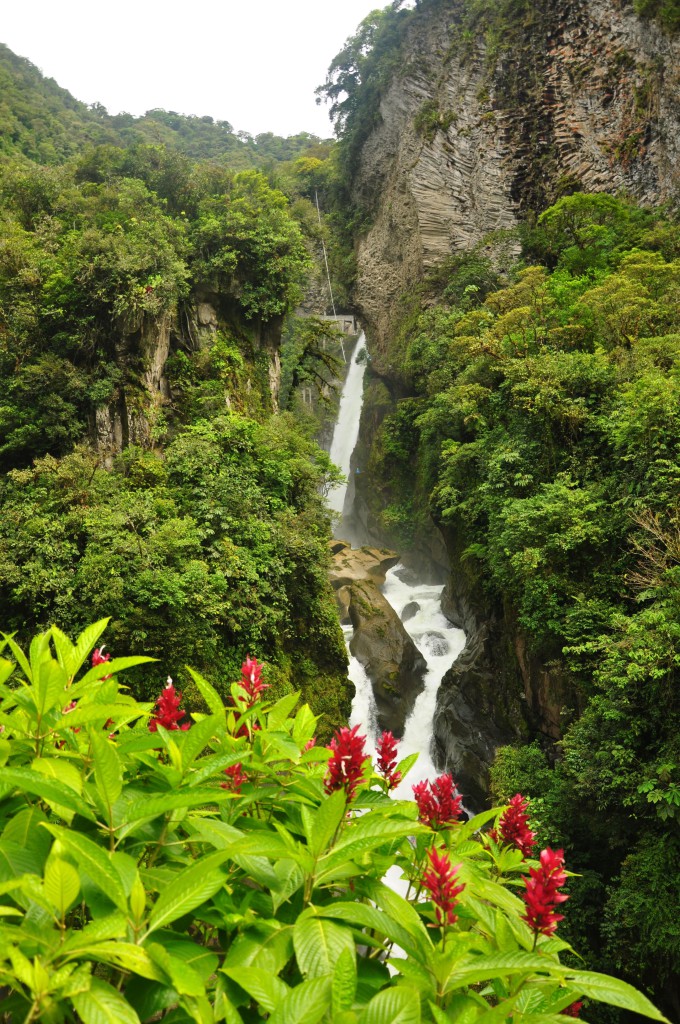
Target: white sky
<point x="254" y="63"/>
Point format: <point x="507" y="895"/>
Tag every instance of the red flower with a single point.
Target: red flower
<point x="573" y="1010"/>
<point x="513" y="826"/>
<point x="387" y="760"/>
<point x="541" y="896"/>
<point x="168" y="713"/>
<point x="235" y="778"/>
<point x="251" y="680"/>
<point x="438" y="802"/>
<point x="99" y="658"/>
<point x="310" y="743"/>
<point x="346" y="763"/>
<point x="441" y="881"/>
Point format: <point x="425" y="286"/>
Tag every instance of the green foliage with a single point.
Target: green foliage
<point x="136" y="880"/>
<point x="667" y="11"/>
<point x="541" y="429"/>
<point x="216" y="548"/>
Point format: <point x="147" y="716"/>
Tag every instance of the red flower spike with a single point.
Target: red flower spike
<point x="387" y="760"/>
<point x="346" y="763"/>
<point x="541" y="896"/>
<point x="251" y="680"/>
<point x="310" y="743"/>
<point x="441" y="881"/>
<point x="235" y="778"/>
<point x="99" y="658"/>
<point x="513" y="827"/>
<point x="572" y="1011"/>
<point x="168" y="710"/>
<point x="438" y="803"/>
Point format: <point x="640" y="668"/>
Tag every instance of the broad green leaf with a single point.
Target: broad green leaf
<point x="155" y="805"/>
<point x="365" y="916"/>
<point x="62" y="884"/>
<point x="305" y="1004"/>
<point x="23" y="830"/>
<point x="304" y="725"/>
<point x="344" y="984"/>
<point x="107" y="668"/>
<point x="399" y="910"/>
<point x="108" y="771"/>
<point x="393" y="1006"/>
<point x="6" y="669"/>
<point x="208" y="693"/>
<point x="47" y="789"/>
<point x="500" y="965"/>
<point x="86" y="642"/>
<point x="61" y="770"/>
<point x="213" y="765"/>
<point x="49" y="685"/>
<point x="127" y="957"/>
<point x="112" y="927"/>
<point x="102" y="1004"/>
<point x="280" y="711"/>
<point x="200" y="959"/>
<point x="318" y="944"/>
<point x="406" y="764"/>
<point x="93" y="713"/>
<point x="468" y="828"/>
<point x="22" y="660"/>
<point x="613" y="991"/>
<point x="184" y="978"/>
<point x="191" y="887"/>
<point x="321" y="826"/>
<point x="197" y="738"/>
<point x="261" y="985"/>
<point x="95" y="861"/>
<point x="257" y="948"/>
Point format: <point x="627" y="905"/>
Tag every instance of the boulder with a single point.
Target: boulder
<point x="409" y="610"/>
<point x="353" y="564"/>
<point x="392" y="661"/>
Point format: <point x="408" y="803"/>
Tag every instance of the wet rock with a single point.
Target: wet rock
<point x="353" y="564"/>
<point x="409" y="610"/>
<point x="343" y="597"/>
<point x="434" y="644"/>
<point x="392" y="661"/>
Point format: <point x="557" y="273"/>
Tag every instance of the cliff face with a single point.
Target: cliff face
<point x="476" y="131"/>
<point x="480" y="128"/>
<point x="146" y="396"/>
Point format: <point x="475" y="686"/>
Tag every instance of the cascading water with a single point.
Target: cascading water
<point x="346" y="430"/>
<point x="418" y="604"/>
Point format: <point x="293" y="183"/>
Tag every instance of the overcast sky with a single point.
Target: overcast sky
<point x="254" y="63"/>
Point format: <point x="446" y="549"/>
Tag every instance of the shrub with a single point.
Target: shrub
<point x="220" y="866"/>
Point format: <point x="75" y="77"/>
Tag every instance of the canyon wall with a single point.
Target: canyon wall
<point x="482" y="127"/>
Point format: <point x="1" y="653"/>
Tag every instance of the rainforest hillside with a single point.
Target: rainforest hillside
<point x="521" y="286"/>
<point x="145" y="476"/>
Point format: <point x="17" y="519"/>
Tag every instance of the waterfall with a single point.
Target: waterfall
<point x="417" y="603"/>
<point x="346" y="430"/>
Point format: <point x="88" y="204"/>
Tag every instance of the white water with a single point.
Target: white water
<point x="439" y="642"/>
<point x="346" y="430"/>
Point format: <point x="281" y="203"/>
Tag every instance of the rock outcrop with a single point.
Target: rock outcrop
<point x="392" y="661"/>
<point x="576" y="95"/>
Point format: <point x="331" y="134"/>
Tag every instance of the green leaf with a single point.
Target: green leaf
<point x="468" y="828"/>
<point x="112" y="927"/>
<point x="318" y="944"/>
<point x="184" y="978"/>
<point x="102" y="1004"/>
<point x="127" y="957"/>
<point x="615" y="992"/>
<point x="95" y="861"/>
<point x="23" y="830"/>
<point x="62" y="884"/>
<point x="197" y="738"/>
<point x="321" y="826"/>
<point x="107" y="668"/>
<point x="304" y="725"/>
<point x="261" y="985"/>
<point x="208" y="693"/>
<point x="365" y="916"/>
<point x="344" y="985"/>
<point x="155" y="805"/>
<point x="93" y="714"/>
<point x="47" y="789"/>
<point x="200" y="959"/>
<point x="393" y="1006"/>
<point x="280" y="711"/>
<point x="108" y="771"/>
<point x="406" y="764"/>
<point x="22" y="660"/>
<point x="256" y="948"/>
<point x="306" y="1004"/>
<point x="191" y="887"/>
